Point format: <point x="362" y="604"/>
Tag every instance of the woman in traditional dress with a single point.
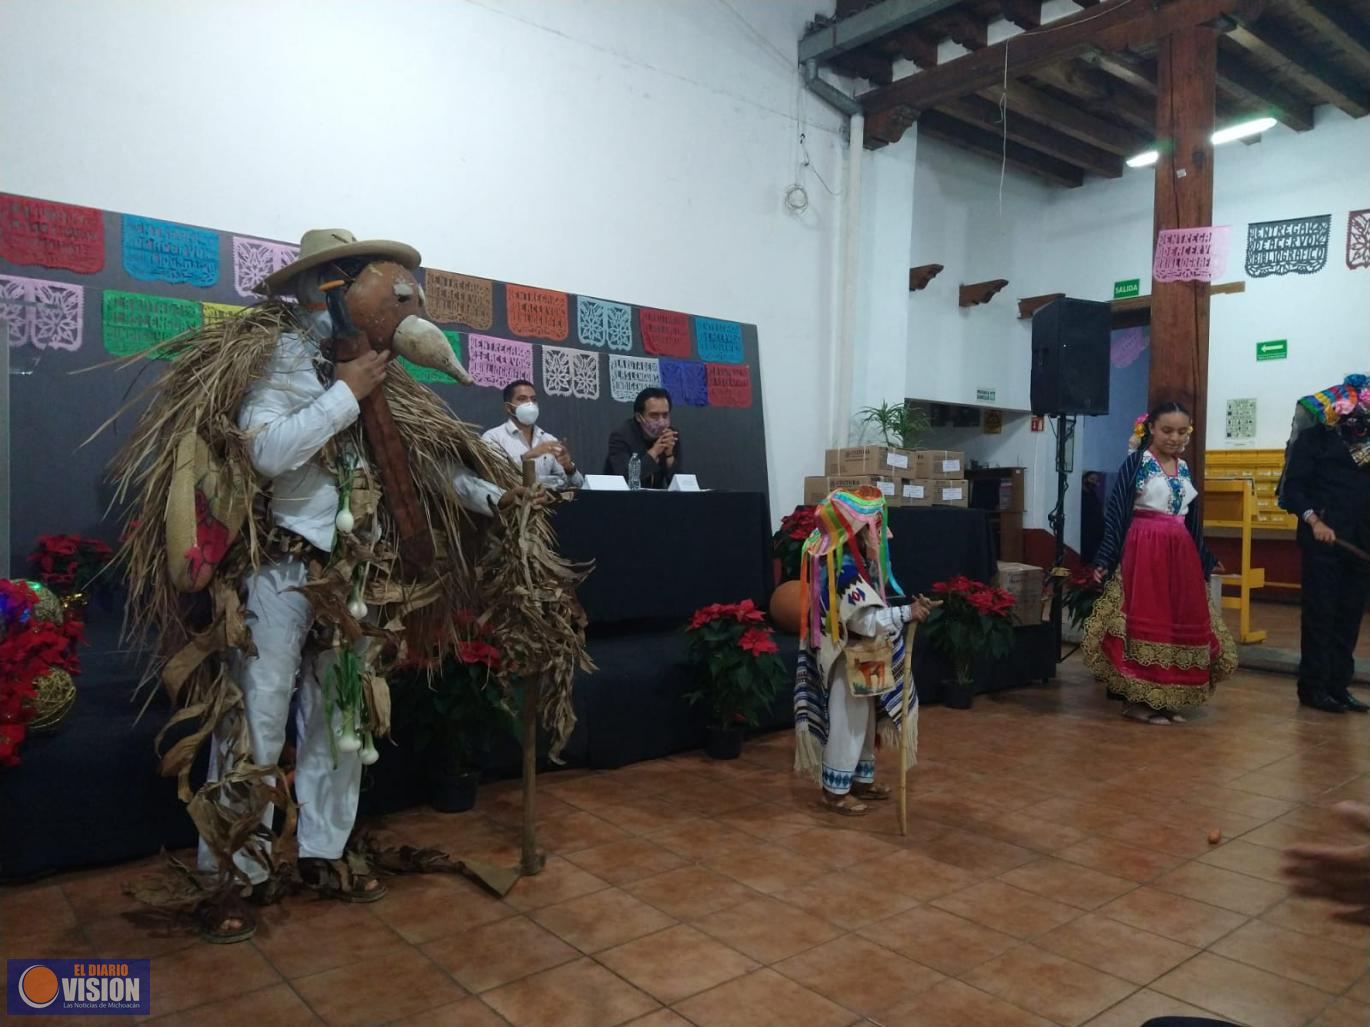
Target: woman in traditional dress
<point x="851" y="653"/>
<point x="1154" y="639"/>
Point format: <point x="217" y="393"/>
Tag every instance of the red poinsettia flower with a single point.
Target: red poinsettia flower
<point x="479" y="652"/>
<point x="746" y="611"/>
<point x="757" y="641"/>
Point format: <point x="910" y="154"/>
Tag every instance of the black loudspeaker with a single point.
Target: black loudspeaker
<point x="1070" y="347"/>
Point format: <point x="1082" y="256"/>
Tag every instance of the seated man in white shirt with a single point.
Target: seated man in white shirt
<point x="522" y="440"/>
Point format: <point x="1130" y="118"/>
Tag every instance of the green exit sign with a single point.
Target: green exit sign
<point x="1127" y="290"/>
<point x="1275" y="349"/>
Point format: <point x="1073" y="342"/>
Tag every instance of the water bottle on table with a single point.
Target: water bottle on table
<point x="635" y="473"/>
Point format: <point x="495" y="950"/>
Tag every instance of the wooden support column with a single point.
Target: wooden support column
<point x="1186" y="96"/>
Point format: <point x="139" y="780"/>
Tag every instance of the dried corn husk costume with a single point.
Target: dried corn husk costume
<point x="850" y="673"/>
<point x="279" y="532"/>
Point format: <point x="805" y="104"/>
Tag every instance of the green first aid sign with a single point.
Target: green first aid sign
<point x="1275" y="349"/>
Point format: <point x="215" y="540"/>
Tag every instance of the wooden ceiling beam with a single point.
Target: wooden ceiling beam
<point x="1239" y="79"/>
<point x="844" y="34"/>
<point x="941" y="126"/>
<point x="917" y="46"/>
<point x="1132" y="71"/>
<point x="1068" y="119"/>
<point x="1116" y="26"/>
<point x="968" y="31"/>
<point x="861" y="64"/>
<point x="1311" y="70"/>
<point x="974" y="110"/>
<point x="1026" y="14"/>
<point x="1339" y="26"/>
<point x="1105" y="92"/>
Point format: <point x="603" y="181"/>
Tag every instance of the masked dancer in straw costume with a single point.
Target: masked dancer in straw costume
<point x="304" y="517"/>
<point x="1154" y="638"/>
<point x="851" y="654"/>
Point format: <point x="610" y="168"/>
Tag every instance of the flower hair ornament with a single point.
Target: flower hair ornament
<point x="1138" y="433"/>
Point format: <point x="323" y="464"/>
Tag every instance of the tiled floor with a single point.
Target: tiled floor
<point x="1057" y="870"/>
<point x="1280" y="622"/>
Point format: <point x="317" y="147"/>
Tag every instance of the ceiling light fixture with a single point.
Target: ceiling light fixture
<point x="1223" y="135"/>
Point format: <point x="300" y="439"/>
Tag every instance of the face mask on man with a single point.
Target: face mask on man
<point x="526" y="413"/>
<point x="653" y="429"/>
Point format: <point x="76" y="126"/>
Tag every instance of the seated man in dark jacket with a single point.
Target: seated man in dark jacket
<point x="1326" y="485"/>
<point x="648" y="434"/>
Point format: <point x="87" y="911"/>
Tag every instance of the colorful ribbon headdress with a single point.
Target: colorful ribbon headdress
<point x="841" y="517"/>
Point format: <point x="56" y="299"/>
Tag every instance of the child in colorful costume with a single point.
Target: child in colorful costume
<point x="1154" y="638"/>
<point x="851" y="653"/>
<point x="1326" y="484"/>
<point x="271" y="553"/>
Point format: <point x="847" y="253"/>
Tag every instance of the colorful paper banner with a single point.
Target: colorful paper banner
<point x="730" y="386"/>
<point x="686" y="380"/>
<point x="1295" y="246"/>
<point x="159" y="251"/>
<point x="255" y="259"/>
<point x="537" y="313"/>
<point x="133" y="321"/>
<point x="42" y="314"/>
<point x="1191" y="254"/>
<point x="601" y="323"/>
<point x="570" y="372"/>
<point x="664" y="332"/>
<point x="718" y="342"/>
<point x="630" y="375"/>
<point x="459" y="299"/>
<point x="495" y="362"/>
<point x="51" y="234"/>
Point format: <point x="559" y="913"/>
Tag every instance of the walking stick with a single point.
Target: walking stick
<point x="532" y="861"/>
<point x="1354" y="550"/>
<point x="910" y="633"/>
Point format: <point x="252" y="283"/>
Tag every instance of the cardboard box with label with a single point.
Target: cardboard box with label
<point x="950" y="493"/>
<point x="882" y="460"/>
<point x="1024" y="582"/>
<point x="916" y="493"/>
<point x="939" y="463"/>
<point x="817" y="489"/>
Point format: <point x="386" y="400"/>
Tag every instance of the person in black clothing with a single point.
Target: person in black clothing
<point x="648" y="434"/>
<point x="1326" y="484"/>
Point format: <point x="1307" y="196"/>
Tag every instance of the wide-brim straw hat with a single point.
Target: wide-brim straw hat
<point x="320" y="245"/>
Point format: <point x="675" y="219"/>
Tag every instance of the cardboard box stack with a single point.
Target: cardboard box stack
<point x="1025" y="583"/>
<point x="908" y="478"/>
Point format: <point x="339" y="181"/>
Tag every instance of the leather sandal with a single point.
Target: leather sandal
<point x="348" y="879"/>
<point x="871" y="792"/>
<point x="844" y="805"/>
<point x="214" y="914"/>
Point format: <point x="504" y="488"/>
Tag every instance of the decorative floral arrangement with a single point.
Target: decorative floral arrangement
<point x="1078" y="596"/>
<point x="787" y="544"/>
<point x="70" y="564"/>
<point x="732" y="649"/>
<point x="30" y="648"/>
<point x="973" y="620"/>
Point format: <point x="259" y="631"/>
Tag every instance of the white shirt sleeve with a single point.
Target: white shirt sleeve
<point x="284" y="438"/>
<point x="872" y="620"/>
<point x="476" y="494"/>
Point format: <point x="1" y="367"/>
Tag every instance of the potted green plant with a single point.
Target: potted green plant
<point x="453" y="717"/>
<point x="787" y="544"/>
<point x="898" y="424"/>
<point x="732" y="651"/>
<point x="973" y="621"/>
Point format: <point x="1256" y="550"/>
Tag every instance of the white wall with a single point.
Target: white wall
<point x="1102" y="233"/>
<point x="1081" y="241"/>
<point x="631" y="150"/>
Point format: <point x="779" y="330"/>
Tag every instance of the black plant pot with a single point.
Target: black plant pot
<point x="958" y="696"/>
<point x="452" y="789"/>
<point x="723" y="743"/>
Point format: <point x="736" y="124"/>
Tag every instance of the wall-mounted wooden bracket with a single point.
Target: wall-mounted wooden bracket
<point x="1029" y="305"/>
<point x="919" y="277"/>
<point x="981" y="292"/>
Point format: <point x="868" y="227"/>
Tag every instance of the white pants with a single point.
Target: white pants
<point x="849" y="754"/>
<point x="280" y="620"/>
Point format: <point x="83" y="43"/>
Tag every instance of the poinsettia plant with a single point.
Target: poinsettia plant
<point x="460" y="709"/>
<point x="71" y="564"/>
<point x="787" y="544"/>
<point x="973" y="620"/>
<point x="1080" y="592"/>
<point x="734" y="653"/>
<point x="29" y="647"/>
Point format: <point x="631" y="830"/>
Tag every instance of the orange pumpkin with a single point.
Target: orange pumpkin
<point x="787" y="607"/>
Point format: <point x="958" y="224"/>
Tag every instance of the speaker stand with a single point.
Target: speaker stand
<point x="1065" y="464"/>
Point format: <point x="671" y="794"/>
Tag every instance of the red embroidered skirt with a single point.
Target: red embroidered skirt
<point x="1153" y="636"/>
